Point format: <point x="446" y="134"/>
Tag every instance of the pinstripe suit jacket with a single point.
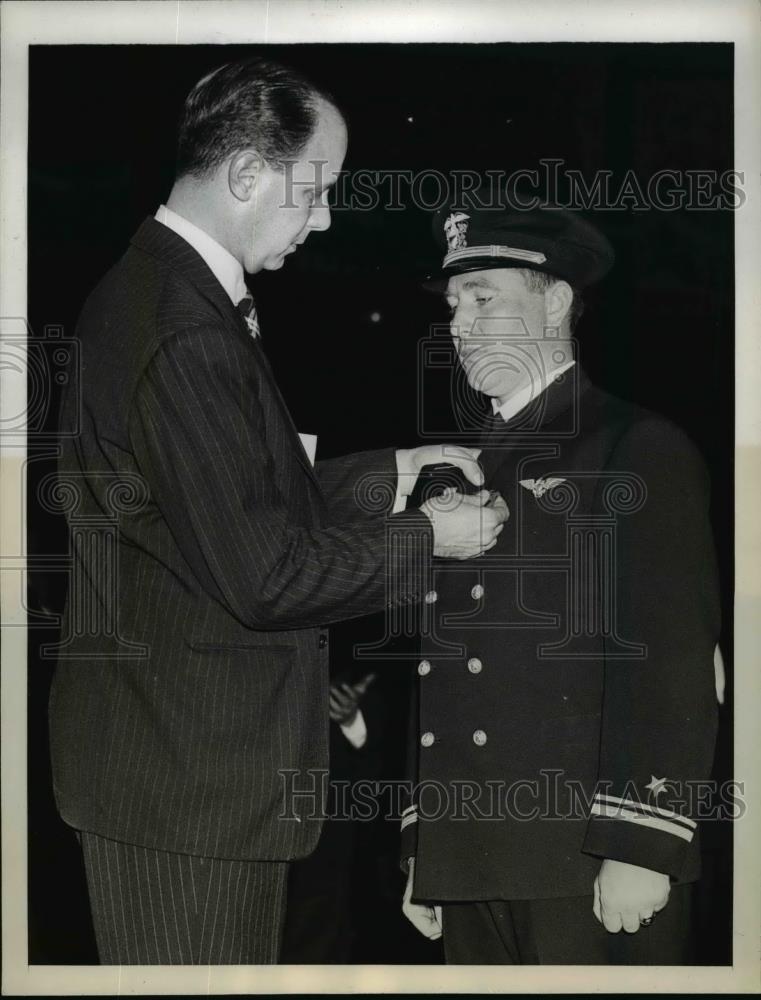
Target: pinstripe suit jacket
<point x="208" y="558"/>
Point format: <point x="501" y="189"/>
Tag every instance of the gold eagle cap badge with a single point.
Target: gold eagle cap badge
<point x="456" y="230"/>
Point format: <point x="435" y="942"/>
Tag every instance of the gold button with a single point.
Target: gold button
<point x="423" y="668"/>
<point x="474" y="665"/>
<point x="477" y="592"/>
<point x="431" y="597"/>
<point x="479" y="737"/>
<point x="426" y="740"/>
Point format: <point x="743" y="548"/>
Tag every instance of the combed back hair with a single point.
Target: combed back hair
<point x="254" y="104"/>
<point x="538" y="281"/>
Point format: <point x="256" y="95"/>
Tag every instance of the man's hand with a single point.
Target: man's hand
<point x="463" y="526"/>
<point x="625" y="895"/>
<point x="427" y="919"/>
<point x="411" y="460"/>
<point x="345" y="699"/>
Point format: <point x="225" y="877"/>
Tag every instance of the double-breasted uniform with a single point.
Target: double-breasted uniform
<point x="566" y="685"/>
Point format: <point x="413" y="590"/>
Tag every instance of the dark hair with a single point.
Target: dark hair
<point x="539" y="281"/>
<point x="255" y="103"/>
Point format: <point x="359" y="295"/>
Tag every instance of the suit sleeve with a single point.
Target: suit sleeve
<point x="211" y="475"/>
<point x="659" y="711"/>
<point x="359" y="486"/>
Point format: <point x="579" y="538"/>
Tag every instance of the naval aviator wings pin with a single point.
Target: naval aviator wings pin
<point x="540" y="486"/>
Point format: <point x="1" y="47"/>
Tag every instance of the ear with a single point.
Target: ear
<point x="557" y="300"/>
<point x="243" y="173"/>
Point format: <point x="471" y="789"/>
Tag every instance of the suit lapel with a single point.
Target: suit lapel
<point x="160" y="241"/>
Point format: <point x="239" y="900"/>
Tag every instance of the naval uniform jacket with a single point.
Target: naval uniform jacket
<point x="191" y="694"/>
<point x="566" y="688"/>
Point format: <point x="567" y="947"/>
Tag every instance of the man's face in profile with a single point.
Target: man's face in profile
<point x="291" y="202"/>
<point x="497" y="323"/>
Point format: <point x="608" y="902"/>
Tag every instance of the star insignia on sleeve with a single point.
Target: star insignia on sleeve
<point x="656" y="785"/>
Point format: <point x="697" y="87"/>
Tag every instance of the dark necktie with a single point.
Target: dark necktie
<point x="493" y="427"/>
<point x="247" y="310"/>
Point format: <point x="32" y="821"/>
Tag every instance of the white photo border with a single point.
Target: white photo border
<point x="185" y="22"/>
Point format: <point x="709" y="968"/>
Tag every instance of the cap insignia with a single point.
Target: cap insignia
<point x="456" y="230"/>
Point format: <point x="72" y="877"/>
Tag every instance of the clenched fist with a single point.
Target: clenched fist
<point x="626" y="895"/>
<point x="465" y="526"/>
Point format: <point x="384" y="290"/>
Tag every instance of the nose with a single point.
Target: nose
<point x="458" y="325"/>
<point x="319" y="217"/>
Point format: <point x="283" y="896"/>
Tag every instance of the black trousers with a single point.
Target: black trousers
<point x="563" y="932"/>
<point x="154" y="907"/>
<point x="319" y="923"/>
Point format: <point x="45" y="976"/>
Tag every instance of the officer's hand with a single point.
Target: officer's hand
<point x="344" y="703"/>
<point x="627" y="894"/>
<point x="463" y="527"/>
<point x="412" y="460"/>
<point x="427" y="919"/>
<point x="345" y="698"/>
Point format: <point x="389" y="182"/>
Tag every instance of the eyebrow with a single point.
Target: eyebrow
<point x="476" y="283"/>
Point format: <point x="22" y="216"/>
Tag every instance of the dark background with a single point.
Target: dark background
<point x="659" y="330"/>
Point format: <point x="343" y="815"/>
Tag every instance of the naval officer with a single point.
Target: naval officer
<point x="566" y="686"/>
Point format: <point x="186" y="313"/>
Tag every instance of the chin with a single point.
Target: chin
<point x="273" y="263"/>
<point x="483" y="380"/>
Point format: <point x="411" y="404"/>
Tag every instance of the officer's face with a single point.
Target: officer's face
<point x="291" y="203"/>
<point x="496" y="324"/>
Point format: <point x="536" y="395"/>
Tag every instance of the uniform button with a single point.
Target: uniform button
<point x="431" y="597"/>
<point x="426" y="740"/>
<point x="474" y="665"/>
<point x="323" y="641"/>
<point x="423" y="668"/>
<point x="479" y="737"/>
<point x="477" y="592"/>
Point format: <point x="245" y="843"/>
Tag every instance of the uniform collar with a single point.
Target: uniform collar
<point x="519" y="400"/>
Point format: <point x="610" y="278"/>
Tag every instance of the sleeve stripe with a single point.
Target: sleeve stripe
<point x="408" y="820"/>
<point x="409" y="809"/>
<point x="646" y="810"/>
<point x="617" y="812"/>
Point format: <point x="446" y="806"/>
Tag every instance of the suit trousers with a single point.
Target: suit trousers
<point x="563" y="932"/>
<point x="153" y="907"/>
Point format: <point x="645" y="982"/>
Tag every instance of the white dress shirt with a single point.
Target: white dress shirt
<point x="225" y="268"/>
<point x="356" y="731"/>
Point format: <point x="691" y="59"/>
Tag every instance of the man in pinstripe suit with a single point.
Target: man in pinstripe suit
<point x="213" y="551"/>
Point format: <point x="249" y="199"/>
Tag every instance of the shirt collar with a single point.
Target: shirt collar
<point x="523" y="397"/>
<point x="225" y="268"/>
